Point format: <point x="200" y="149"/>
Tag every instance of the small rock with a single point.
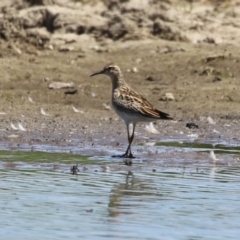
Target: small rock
<point x="13" y="136"/>
<point x="149" y="78"/>
<point x="74" y="169"/>
<point x="167" y="97"/>
<point x="212" y="58"/>
<point x="107" y="107"/>
<point x="134" y="70"/>
<point x="180" y="49"/>
<point x="217" y="79"/>
<point x="210" y="120"/>
<point x="99" y="49"/>
<point x="40" y="41"/>
<point x="66" y="49"/>
<point x="71" y="91"/>
<point x="151" y="129"/>
<point x="207" y="71"/>
<point x="191" y="125"/>
<point x="166" y="50"/>
<point x="105" y="169"/>
<point x="209" y="40"/>
<point x="227" y="98"/>
<point x="60" y="85"/>
<point x="50" y="47"/>
<point x="39" y="33"/>
<point x="96" y="48"/>
<point x="193" y="135"/>
<point x="76" y="110"/>
<point x="46" y="79"/>
<point x="81" y="55"/>
<point x="18" y="50"/>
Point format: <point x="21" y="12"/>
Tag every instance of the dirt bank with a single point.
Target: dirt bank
<point x="189" y="50"/>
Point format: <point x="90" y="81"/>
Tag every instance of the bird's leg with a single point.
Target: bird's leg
<point x="128" y="153"/>
<point x="130" y="140"/>
<point x="129" y="144"/>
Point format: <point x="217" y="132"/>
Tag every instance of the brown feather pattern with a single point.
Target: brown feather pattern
<point x="128" y="100"/>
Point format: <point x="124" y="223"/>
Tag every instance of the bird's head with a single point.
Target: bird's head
<point x="111" y="70"/>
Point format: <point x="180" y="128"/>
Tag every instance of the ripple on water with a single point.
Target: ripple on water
<point x="167" y="204"/>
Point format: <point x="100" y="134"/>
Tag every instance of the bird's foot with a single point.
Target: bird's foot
<point x="125" y="155"/>
<point x="116" y="156"/>
<point x="127" y="160"/>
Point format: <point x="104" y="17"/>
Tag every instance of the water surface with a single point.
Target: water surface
<point x="40" y="199"/>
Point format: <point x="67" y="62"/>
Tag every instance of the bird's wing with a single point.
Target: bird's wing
<point x="132" y="101"/>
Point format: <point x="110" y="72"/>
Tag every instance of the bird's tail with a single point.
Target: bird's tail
<point x="164" y="115"/>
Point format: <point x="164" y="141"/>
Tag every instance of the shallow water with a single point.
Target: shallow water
<point x="40" y="199"/>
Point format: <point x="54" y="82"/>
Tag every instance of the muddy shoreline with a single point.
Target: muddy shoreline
<point x="203" y="78"/>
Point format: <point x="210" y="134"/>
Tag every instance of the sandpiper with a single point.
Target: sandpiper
<point x="129" y="105"/>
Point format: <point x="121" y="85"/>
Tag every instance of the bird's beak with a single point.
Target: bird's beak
<point x="96" y="73"/>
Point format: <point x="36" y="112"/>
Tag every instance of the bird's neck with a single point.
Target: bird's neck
<point x="117" y="81"/>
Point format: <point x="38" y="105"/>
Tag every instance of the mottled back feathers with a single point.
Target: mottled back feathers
<point x="126" y="98"/>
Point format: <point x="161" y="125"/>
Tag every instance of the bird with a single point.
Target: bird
<point x="129" y="105"/>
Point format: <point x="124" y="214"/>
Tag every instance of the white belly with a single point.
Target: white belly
<point x="131" y="118"/>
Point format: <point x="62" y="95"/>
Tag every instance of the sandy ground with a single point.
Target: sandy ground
<point x="180" y="72"/>
<point x="203" y="78"/>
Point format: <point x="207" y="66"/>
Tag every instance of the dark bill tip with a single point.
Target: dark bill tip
<point x="101" y="72"/>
